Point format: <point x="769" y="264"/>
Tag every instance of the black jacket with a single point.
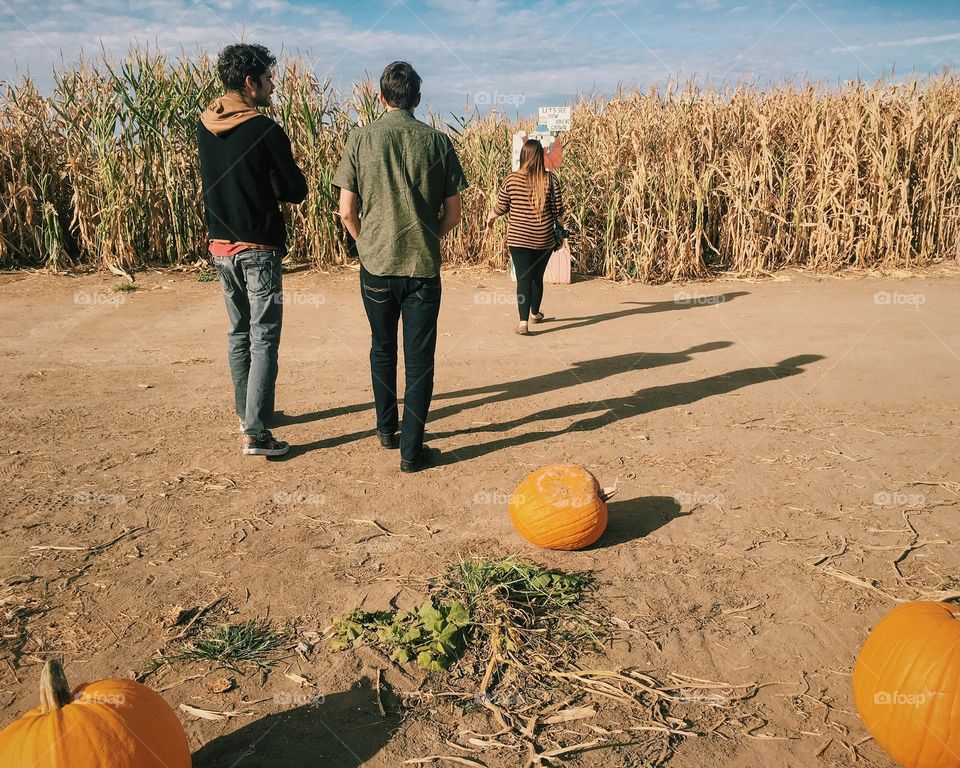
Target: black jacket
<point x="236" y="168"/>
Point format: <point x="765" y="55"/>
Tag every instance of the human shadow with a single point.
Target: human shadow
<point x="287" y="419"/>
<point x="611" y="410"/>
<point x="635" y="518"/>
<point x="643" y="308"/>
<point x="333" y="441"/>
<point x="537" y="384"/>
<point x="343" y="729"/>
<point x="581" y="372"/>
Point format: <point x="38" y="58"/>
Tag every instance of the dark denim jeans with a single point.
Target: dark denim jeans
<point x="417" y="301"/>
<point x="252" y="289"/>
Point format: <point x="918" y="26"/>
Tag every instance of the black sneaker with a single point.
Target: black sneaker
<point x="264" y="446"/>
<point x="428" y="458"/>
<point x="388" y="440"/>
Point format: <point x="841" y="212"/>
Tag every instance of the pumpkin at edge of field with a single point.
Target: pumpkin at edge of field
<point x="113" y="723"/>
<point x="559" y="506"/>
<point x="906" y="684"/>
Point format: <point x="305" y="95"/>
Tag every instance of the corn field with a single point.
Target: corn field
<point x="677" y="183"/>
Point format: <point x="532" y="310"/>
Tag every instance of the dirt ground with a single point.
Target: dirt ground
<point x="776" y="445"/>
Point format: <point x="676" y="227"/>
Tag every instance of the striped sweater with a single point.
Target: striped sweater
<point x="526" y="229"/>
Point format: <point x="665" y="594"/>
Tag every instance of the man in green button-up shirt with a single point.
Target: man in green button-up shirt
<point x="406" y="179"/>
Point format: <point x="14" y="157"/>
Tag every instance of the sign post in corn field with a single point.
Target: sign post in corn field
<point x="550" y="122"/>
<point x="558" y="269"/>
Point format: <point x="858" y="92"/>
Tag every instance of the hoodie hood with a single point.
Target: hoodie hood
<point x="225" y="113"/>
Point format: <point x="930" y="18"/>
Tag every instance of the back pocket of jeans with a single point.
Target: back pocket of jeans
<point x="262" y="274"/>
<point x="375" y="293"/>
<point x="428" y="292"/>
<point x="226" y="279"/>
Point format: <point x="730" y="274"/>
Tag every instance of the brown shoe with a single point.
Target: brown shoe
<point x="264" y="446"/>
<point x="521" y="330"/>
<point x="536" y="318"/>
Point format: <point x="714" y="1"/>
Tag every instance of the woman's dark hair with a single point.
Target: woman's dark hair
<point x="238" y="61"/>
<point x="400" y="85"/>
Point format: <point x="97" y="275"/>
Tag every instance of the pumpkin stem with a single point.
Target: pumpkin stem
<point x="607" y="493"/>
<point x="54" y="689"/>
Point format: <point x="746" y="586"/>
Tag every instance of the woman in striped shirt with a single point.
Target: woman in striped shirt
<point x="533" y="199"/>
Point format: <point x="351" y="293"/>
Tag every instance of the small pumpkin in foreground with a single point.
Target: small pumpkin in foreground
<point x="559" y="506"/>
<point x="107" y="724"/>
<point x="906" y="684"/>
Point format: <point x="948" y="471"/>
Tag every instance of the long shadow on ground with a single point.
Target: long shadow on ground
<point x="533" y="384"/>
<point x="581" y="372"/>
<point x="343" y="729"/>
<point x="610" y="410"/>
<point x="643" y="308"/>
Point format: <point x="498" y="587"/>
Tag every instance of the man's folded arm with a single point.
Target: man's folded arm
<point x="291" y="186"/>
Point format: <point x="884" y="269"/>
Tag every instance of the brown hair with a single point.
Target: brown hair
<point x="237" y="62"/>
<point x="531" y="166"/>
<point x="400" y="85"/>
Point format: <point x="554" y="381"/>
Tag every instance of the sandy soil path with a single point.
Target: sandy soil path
<point x="751" y="428"/>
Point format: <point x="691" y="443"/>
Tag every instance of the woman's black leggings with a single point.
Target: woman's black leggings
<point x="529" y="264"/>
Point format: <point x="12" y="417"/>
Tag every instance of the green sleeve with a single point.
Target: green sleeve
<point x="346" y="175"/>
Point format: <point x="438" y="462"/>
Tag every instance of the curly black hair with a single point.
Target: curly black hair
<point x="400" y="85"/>
<point x="238" y="61"/>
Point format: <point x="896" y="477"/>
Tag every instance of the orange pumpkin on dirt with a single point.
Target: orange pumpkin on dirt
<point x="559" y="506"/>
<point x="906" y="684"/>
<point x="106" y="724"/>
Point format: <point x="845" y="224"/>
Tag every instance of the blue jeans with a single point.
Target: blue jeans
<point x="417" y="301"/>
<point x="252" y="289"/>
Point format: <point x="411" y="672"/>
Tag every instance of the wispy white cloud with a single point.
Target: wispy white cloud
<point x="470" y="11"/>
<point x="909" y="42"/>
<point x="273" y="6"/>
<point x="700" y="5"/>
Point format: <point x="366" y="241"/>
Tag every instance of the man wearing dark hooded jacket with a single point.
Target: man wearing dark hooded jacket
<point x="247" y="169"/>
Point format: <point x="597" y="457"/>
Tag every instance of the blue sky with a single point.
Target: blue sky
<point x="515" y="55"/>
